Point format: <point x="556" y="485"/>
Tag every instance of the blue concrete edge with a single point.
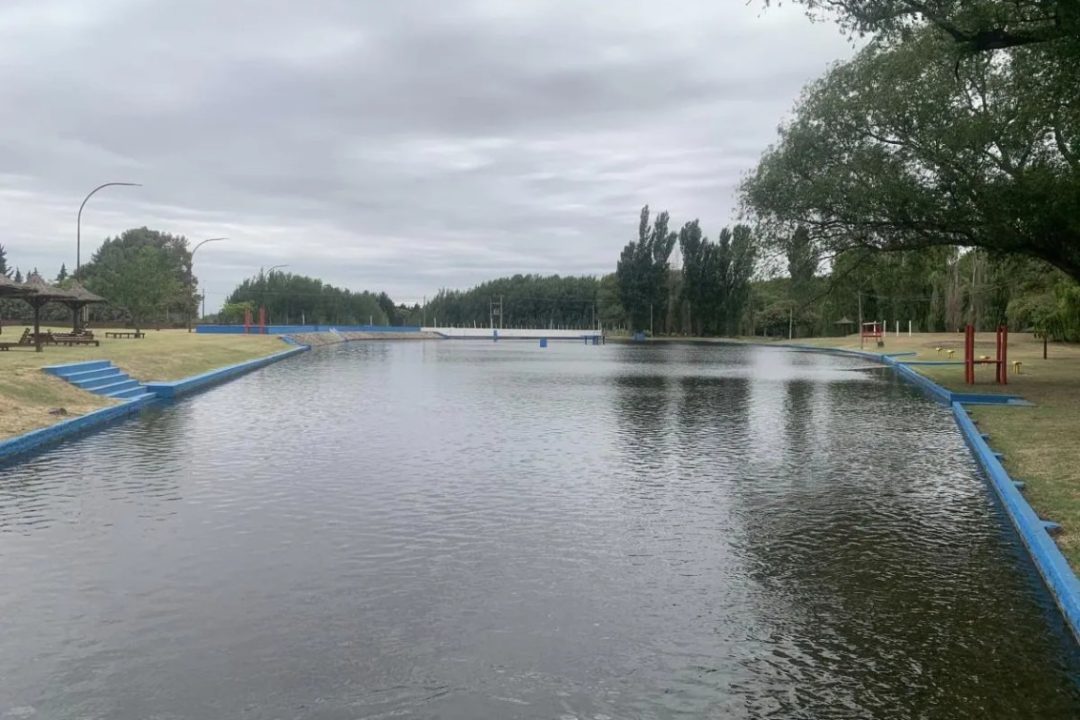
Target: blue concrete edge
<point x="928" y="386"/>
<point x="293" y="329"/>
<point x="1051" y="564"/>
<point x="37" y="439"/>
<point x="1059" y="578"/>
<point x="177" y="388"/>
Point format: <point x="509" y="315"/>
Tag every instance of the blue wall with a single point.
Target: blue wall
<point x="293" y="329"/>
<point x="175" y="388"/>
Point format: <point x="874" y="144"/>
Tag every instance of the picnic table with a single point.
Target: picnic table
<point x="124" y="334"/>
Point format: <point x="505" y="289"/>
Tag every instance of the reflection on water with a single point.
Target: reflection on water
<point x="466" y="530"/>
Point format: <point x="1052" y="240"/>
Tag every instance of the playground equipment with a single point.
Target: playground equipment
<point x="1000" y="359"/>
<point x="249" y="323"/>
<point x="872" y="331"/>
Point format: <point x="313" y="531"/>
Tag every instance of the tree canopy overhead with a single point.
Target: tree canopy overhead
<point x="910" y="145"/>
<point x="975" y="25"/>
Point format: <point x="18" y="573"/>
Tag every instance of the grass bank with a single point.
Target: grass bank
<point x="27" y="394"/>
<point x="1040" y="443"/>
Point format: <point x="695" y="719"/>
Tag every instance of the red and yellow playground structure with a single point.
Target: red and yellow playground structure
<point x="1000" y="359"/>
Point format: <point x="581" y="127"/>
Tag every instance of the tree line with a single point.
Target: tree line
<point x="937" y="173"/>
<point x="144" y="275"/>
<point x="297" y="299"/>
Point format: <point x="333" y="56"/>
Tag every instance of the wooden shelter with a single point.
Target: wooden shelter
<point x="39" y="294"/>
<point x="79" y="298"/>
<point x="11" y="289"/>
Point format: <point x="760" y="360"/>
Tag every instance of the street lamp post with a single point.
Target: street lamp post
<point x="268" y="274"/>
<point x="78" y="219"/>
<point x="190" y="279"/>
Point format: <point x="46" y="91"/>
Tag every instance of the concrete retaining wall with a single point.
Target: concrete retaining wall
<point x="1051" y="564"/>
<point x="1059" y="578"/>
<point x="177" y="388"/>
<point x="510" y="333"/>
<point x="297" y="329"/>
<point x="38" y="439"/>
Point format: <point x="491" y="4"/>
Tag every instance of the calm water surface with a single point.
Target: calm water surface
<point x="472" y="530"/>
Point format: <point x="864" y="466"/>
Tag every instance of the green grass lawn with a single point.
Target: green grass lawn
<point x="1041" y="443"/>
<point x="27" y="394"/>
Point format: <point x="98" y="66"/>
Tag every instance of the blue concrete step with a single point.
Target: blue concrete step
<point x="70" y="368"/>
<point x="100" y="377"/>
<point x="111" y="390"/>
<point x="90" y="374"/>
<point x="112" y="377"/>
<point x="129" y="392"/>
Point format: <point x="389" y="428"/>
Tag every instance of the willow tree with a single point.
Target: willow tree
<point x="912" y="144"/>
<point x="973" y="25"/>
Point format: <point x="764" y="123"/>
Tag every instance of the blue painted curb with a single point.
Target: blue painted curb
<point x="177" y="388"/>
<point x="37" y="439"/>
<point x="1034" y="532"/>
<point x="928" y="386"/>
<point x="294" y="329"/>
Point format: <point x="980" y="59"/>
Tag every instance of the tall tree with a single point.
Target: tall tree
<point x="63" y="274"/>
<point x="910" y="145"/>
<point x="698" y="257"/>
<point x="642" y="271"/>
<point x="142" y="273"/>
<point x="974" y="25"/>
<point x="802" y="262"/>
<point x="4" y="269"/>
<point x="743" y="259"/>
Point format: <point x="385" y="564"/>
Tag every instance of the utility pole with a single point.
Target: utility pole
<point x="650" y="321"/>
<point x="790" y="322"/>
<point x="501" y="312"/>
<point x="860" y="321"/>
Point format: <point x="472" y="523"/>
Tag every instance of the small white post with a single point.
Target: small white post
<point x="897" y="328"/>
<point x="909" y="328"/>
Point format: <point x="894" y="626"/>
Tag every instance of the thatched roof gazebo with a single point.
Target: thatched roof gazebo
<point x="11" y="289"/>
<point x="846" y="323"/>
<point x="40" y="292"/>
<point x="79" y="298"/>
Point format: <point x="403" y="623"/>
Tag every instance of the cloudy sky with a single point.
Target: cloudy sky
<point x="405" y="146"/>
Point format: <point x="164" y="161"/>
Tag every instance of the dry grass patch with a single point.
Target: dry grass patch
<point x="27" y="394"/>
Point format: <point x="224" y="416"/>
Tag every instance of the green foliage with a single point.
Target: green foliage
<point x="608" y="307"/>
<point x="291" y="298"/>
<point x="911" y="145"/>
<point x="143" y="274"/>
<point x="974" y="25"/>
<point x="538" y="301"/>
<point x="642" y="272"/>
<point x="233" y="313"/>
<point x="4" y="269"/>
<point x="716" y="277"/>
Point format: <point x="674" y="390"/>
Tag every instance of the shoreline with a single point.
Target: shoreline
<point x="1033" y="531"/>
<point x="15" y="448"/>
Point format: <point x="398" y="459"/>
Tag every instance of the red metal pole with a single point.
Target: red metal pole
<point x="1004" y="360"/>
<point x="969" y="355"/>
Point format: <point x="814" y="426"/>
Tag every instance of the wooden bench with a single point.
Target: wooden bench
<point x="124" y="334"/>
<point x="70" y="340"/>
<point x="26" y="340"/>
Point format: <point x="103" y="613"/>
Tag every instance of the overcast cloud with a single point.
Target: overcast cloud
<point x="404" y="145"/>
